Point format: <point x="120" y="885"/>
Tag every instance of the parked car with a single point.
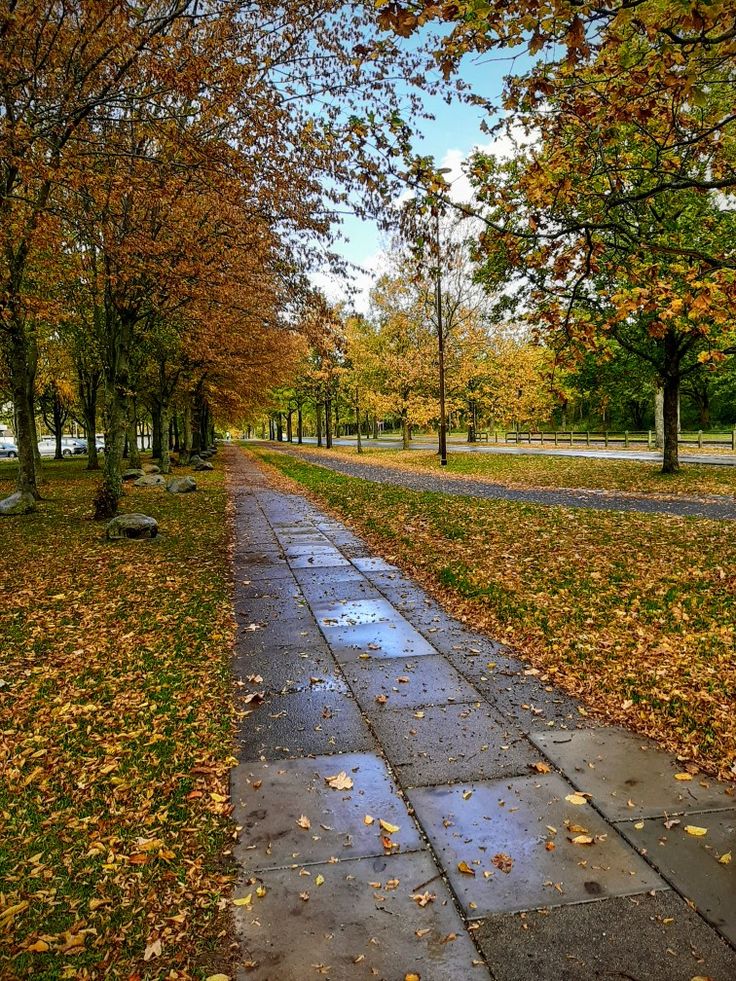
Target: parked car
<point x="70" y="446"/>
<point x="8" y="449"/>
<point x="99" y="443"/>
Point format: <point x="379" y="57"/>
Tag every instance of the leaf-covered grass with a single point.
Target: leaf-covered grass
<point x="633" y="613"/>
<point x="558" y="471"/>
<point x="115" y="734"/>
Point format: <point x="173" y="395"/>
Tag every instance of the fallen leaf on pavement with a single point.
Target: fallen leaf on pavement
<point x="341" y="781"/>
<point x="304" y="822"/>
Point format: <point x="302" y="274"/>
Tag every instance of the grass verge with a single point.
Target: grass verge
<point x="116" y="732"/>
<point x="632" y="613"/>
<point x="627" y="476"/>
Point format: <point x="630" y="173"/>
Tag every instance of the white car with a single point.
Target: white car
<point x="8" y="449"/>
<point x="69" y="446"/>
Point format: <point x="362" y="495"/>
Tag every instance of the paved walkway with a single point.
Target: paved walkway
<point x="688" y="507"/>
<point x="414" y="803"/>
<point x="593" y="452"/>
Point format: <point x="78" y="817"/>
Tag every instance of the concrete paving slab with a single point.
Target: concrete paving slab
<point x="360" y="923"/>
<point x="640" y="938"/>
<point x="319" y="590"/>
<point x="446" y="743"/>
<point x="338" y="574"/>
<point x="270" y="610"/>
<point x="319" y="547"/>
<point x="378" y="640"/>
<point x="500" y="825"/>
<point x="346" y="613"/>
<point x="304" y="723"/>
<point x="629" y="776"/>
<point x="270" y="798"/>
<point x="691" y="862"/>
<point x="407" y="684"/>
<point x="372" y="563"/>
<point x="291" y="669"/>
<point x="283" y="588"/>
<point x="280" y="633"/>
<point x="328" y="559"/>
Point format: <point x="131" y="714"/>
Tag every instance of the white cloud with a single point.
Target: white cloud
<point x="353" y="291"/>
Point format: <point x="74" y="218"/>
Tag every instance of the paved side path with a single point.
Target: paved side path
<point x="598" y="500"/>
<point x="414" y="803"/>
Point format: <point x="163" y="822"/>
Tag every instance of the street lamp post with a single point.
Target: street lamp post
<point x="440" y="343"/>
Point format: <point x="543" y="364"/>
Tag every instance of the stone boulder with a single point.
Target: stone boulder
<point x="132" y="526"/>
<point x="151" y="468"/>
<point x="195" y="460"/>
<point x="181" y="485"/>
<point x="204" y="465"/>
<point x="150" y="480"/>
<point x="133" y="474"/>
<point x="18" y="503"/>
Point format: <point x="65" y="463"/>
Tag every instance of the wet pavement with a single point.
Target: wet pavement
<point x="411" y="803"/>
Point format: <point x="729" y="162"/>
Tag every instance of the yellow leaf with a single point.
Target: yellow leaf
<point x="576" y="799"/>
<point x="541" y="767"/>
<point x="319" y="880"/>
<point x="244" y="900"/>
<point x="725" y="859"/>
<point x="39" y="947"/>
<point x="304" y="822"/>
<point x="683" y="776"/>
<point x="639" y="825"/>
<point x="582" y="840"/>
<point x="695" y="831"/>
<point x="412" y="977"/>
<point x="260" y="891"/>
<point x="341" y="781"/>
<point x="218" y="977"/>
<point x="465" y="868"/>
<point x="368" y="819"/>
<point x="389" y="828"/>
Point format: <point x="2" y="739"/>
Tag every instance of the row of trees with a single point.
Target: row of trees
<point x="169" y="172"/>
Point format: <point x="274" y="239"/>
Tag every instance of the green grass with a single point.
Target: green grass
<point x="632" y="613"/>
<point x="116" y="732"/>
<point x="560" y="471"/>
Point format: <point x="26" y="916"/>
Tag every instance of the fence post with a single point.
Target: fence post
<point x="529" y="435"/>
<point x="605" y="439"/>
<point x="587" y="437"/>
<point x="571" y="436"/>
<point x="700" y="439"/>
<point x="649" y="439"/>
<point x="541" y="437"/>
<point x="495" y="435"/>
<point x="733" y="439"/>
<point x="626" y="437"/>
<point x="734" y="436"/>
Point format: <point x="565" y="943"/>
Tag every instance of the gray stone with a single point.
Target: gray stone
<point x="132" y="474"/>
<point x="132" y="526"/>
<point x="270" y="798"/>
<point x="690" y="863"/>
<point x="657" y="938"/>
<point x="204" y="465"/>
<point x="361" y="922"/>
<point x="18" y="503"/>
<point x="150" y="480"/>
<point x="628" y="776"/>
<point x="181" y="485"/>
<point x="151" y="468"/>
<point x="476" y="823"/>
<point x="195" y="460"/>
<point x="304" y="723"/>
<point x="445" y="743"/>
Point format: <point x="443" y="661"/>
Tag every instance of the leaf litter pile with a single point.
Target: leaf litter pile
<point x="116" y="730"/>
<point x="631" y="613"/>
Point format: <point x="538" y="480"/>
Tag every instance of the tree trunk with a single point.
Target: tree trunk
<point x="318" y="412"/>
<point x="185" y="449"/>
<point x="157" y="434"/>
<point x="328" y="422"/>
<point x="659" y="415"/>
<point x="279" y="427"/>
<point x="58" y="417"/>
<point x="90" y="429"/>
<point x="670" y="459"/>
<point x="165" y="459"/>
<point x="134" y="455"/>
<point x="357" y="422"/>
<point x="21" y="383"/>
<point x="404" y="430"/>
<point x="299" y="426"/>
<point x="176" y="446"/>
<point x="289" y="433"/>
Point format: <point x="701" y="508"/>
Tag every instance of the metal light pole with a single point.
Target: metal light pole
<point x="440" y="342"/>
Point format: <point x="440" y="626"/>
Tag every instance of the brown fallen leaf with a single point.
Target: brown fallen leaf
<point x="422" y="933"/>
<point x="381" y="699"/>
<point x="576" y="799"/>
<point x="541" y="767"/>
<point x="503" y="862"/>
<point x="304" y="822"/>
<point x="388" y="827"/>
<point x="423" y="898"/>
<point x="581" y="840"/>
<point x="465" y="868"/>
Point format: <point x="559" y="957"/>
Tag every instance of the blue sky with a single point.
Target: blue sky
<point x="449" y="138"/>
